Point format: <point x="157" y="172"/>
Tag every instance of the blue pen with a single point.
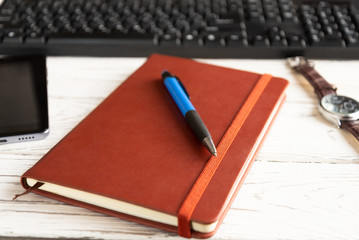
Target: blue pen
<point x="181" y="98"/>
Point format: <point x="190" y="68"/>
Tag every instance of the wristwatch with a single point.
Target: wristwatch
<point x="342" y="110"/>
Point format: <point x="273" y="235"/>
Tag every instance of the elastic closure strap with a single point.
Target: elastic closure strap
<point x="189" y="204"/>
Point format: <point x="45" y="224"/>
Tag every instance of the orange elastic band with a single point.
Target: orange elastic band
<point x="186" y="210"/>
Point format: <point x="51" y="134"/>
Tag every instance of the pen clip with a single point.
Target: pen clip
<point x="166" y="74"/>
<point x="183" y="87"/>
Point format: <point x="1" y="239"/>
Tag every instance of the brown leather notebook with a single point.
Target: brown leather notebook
<point x="134" y="156"/>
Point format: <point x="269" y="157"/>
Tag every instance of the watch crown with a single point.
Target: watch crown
<point x="334" y="87"/>
<point x="299" y="61"/>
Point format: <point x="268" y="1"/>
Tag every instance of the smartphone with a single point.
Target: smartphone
<point x="23" y="99"/>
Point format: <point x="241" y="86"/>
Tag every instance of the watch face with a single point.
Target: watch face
<point x="340" y="105"/>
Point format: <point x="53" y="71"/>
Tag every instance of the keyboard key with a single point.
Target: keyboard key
<point x="277" y="41"/>
<point x="190" y="39"/>
<point x="236" y="39"/>
<point x="215" y="40"/>
<point x="100" y="38"/>
<point x="34" y="38"/>
<point x="260" y="41"/>
<point x="170" y="39"/>
<point x="13" y="36"/>
<point x="296" y="41"/>
<point x="352" y="41"/>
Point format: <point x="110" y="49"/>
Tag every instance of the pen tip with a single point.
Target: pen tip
<point x="208" y="143"/>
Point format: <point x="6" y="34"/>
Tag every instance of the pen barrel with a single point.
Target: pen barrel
<point x="197" y="125"/>
<point x="178" y="95"/>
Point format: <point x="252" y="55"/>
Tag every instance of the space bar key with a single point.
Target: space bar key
<point x="99" y="38"/>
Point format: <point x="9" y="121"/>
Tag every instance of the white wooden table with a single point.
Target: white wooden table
<point x="304" y="184"/>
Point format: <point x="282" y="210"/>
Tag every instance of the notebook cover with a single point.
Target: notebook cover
<point x="136" y="146"/>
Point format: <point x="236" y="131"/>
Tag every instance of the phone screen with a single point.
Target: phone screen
<point x="23" y="98"/>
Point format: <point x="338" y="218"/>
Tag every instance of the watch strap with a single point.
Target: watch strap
<point x="320" y="85"/>
<point x="321" y="88"/>
<point x="351" y="126"/>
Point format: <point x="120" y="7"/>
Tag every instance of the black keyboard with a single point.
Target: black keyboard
<point x="188" y="28"/>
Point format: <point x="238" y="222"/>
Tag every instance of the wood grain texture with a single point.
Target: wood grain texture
<point x="304" y="184"/>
